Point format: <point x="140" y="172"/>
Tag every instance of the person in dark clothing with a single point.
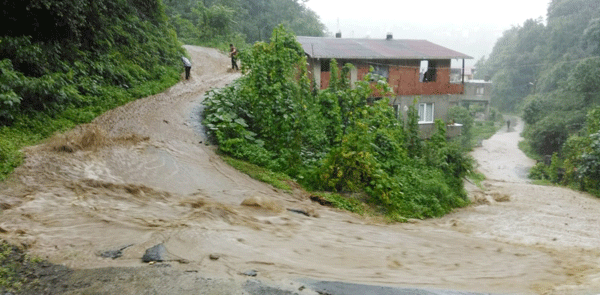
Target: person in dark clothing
<point x="507" y="125"/>
<point x="233" y="54"/>
<point x="188" y="66"/>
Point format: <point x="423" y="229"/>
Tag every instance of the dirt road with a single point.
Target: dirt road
<point x="141" y="175"/>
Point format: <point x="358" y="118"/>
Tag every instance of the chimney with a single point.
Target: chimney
<point x="389" y="36"/>
<point x="338" y="34"/>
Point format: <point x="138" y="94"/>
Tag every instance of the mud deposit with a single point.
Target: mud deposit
<point x="142" y="175"/>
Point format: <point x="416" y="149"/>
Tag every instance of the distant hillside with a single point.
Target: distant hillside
<point x="217" y="22"/>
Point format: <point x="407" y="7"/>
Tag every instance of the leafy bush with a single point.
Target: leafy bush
<point x="9" y="100"/>
<point x="463" y="116"/>
<point x="539" y="171"/>
<point x="495" y="115"/>
<point x="589" y="167"/>
<point x="548" y="135"/>
<point x="578" y="163"/>
<point x="334" y="139"/>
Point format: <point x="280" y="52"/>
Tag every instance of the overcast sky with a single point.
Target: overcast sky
<point x="468" y="26"/>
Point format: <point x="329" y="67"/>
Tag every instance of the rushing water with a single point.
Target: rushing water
<point x="142" y="174"/>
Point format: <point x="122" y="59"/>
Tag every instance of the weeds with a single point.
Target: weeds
<point x="278" y="180"/>
<point x="341" y="202"/>
<point x="11" y="261"/>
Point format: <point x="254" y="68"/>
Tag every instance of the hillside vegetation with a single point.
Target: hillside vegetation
<point x="551" y="73"/>
<point x="216" y="23"/>
<point x="334" y="139"/>
<point x="67" y="62"/>
<point x="63" y="63"/>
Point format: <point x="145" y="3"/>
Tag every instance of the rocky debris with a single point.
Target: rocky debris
<point x="214" y="256"/>
<point x="114" y="254"/>
<point x="157" y="253"/>
<point x="322" y="201"/>
<point x="250" y="273"/>
<point x="299" y="211"/>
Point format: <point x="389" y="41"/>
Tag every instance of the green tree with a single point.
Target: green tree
<point x="220" y="22"/>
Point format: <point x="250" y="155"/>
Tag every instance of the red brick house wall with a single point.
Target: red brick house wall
<point x="404" y="77"/>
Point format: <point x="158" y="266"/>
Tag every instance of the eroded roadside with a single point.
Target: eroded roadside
<point x="142" y="175"/>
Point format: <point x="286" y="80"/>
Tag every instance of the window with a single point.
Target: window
<point x="480" y="90"/>
<point x="427" y="71"/>
<point x="396" y="110"/>
<point x="380" y="71"/>
<point x="325" y="65"/>
<point x="426" y="113"/>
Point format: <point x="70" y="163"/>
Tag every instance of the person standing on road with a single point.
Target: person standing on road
<point x="507" y="125"/>
<point x="188" y="66"/>
<point x="233" y="54"/>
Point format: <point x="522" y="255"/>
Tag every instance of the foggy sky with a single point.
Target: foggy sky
<point x="468" y="26"/>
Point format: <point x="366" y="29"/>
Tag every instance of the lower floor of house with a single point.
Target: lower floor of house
<point x="434" y="107"/>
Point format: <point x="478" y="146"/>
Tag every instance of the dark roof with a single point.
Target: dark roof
<point x="320" y="47"/>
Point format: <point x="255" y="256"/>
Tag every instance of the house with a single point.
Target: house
<point x="477" y="92"/>
<point x="417" y="70"/>
<point x="462" y="74"/>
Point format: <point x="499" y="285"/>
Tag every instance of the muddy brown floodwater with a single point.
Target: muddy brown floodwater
<point x="142" y="174"/>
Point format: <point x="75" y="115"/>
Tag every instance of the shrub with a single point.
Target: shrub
<point x="463" y="116"/>
<point x="589" y="167"/>
<point x="539" y="171"/>
<point x="334" y="139"/>
<point x="548" y="135"/>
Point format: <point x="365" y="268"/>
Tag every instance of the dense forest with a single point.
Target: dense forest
<point x="64" y="62"/>
<point x="551" y="74"/>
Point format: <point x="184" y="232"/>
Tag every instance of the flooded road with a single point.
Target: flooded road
<point x="142" y="174"/>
